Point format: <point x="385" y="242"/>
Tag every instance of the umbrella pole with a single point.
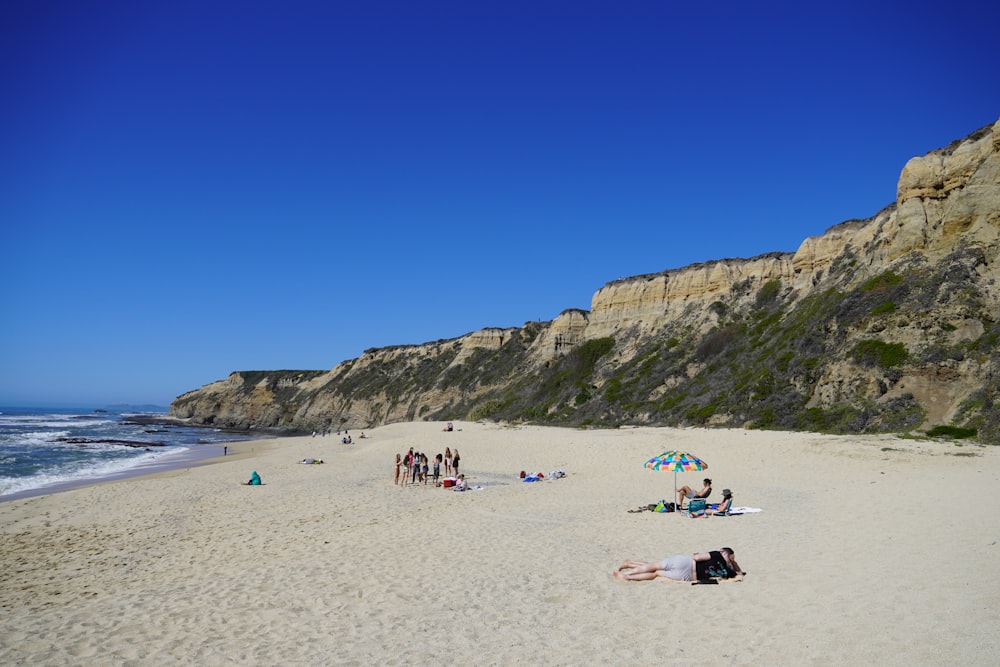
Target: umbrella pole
<point x="675" y="490"/>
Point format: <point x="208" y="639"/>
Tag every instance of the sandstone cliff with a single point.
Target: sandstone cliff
<point x="888" y="323"/>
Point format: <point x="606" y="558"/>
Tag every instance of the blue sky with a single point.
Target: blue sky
<point x="193" y="188"/>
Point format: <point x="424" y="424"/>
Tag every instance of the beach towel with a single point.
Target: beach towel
<point x="744" y="510"/>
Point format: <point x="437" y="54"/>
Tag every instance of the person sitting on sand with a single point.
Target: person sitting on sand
<point x="254" y="479"/>
<point x="722" y="508"/>
<point x="461" y="484"/>
<point x="689" y="493"/>
<point x="702" y="566"/>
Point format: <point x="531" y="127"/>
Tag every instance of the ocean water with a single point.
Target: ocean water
<point x="43" y="450"/>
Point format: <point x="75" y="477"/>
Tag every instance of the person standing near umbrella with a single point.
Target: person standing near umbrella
<point x="702" y="566"/>
<point x="689" y="493"/>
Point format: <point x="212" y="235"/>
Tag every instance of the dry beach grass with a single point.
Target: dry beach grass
<point x="869" y="549"/>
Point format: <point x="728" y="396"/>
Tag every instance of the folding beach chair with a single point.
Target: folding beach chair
<point x="696" y="508"/>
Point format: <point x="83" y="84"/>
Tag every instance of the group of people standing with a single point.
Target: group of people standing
<point x="415" y="467"/>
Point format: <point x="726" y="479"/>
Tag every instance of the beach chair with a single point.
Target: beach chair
<point x="696" y="508"/>
<point x="704" y="497"/>
<point x="722" y="509"/>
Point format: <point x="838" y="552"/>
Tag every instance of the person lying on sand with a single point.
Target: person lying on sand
<point x="311" y="461"/>
<point x="703" y="566"/>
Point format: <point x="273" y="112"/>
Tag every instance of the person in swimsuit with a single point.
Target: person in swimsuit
<point x="702" y="566"/>
<point x="722" y="508"/>
<point x="447" y="461"/>
<point x="407" y="458"/>
<point x="454" y="462"/>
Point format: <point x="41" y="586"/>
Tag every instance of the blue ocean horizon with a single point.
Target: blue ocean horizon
<point x="49" y="449"/>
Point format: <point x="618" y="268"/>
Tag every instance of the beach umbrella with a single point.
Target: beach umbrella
<point x="676" y="461"/>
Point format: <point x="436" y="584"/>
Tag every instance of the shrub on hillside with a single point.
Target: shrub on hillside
<point x="956" y="432"/>
<point x="716" y="342"/>
<point x="875" y="352"/>
<point x="768" y="293"/>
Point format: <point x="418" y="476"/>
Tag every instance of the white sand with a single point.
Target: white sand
<point x="868" y="551"/>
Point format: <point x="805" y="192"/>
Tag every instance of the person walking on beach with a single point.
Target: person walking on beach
<point x="447" y="462"/>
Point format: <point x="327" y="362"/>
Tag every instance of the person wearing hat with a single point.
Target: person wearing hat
<point x="722" y="509"/>
<point x="689" y="493"/>
<point x="704" y="566"/>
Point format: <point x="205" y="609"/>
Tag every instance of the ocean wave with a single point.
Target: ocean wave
<point x="51" y="421"/>
<point x="86" y="471"/>
<point x="32" y="437"/>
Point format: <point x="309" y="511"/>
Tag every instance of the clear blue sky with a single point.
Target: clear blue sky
<point x="193" y="188"/>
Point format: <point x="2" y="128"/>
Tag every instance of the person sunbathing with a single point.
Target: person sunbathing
<point x="704" y="566"/>
<point x="722" y="508"/>
<point x="689" y="493"/>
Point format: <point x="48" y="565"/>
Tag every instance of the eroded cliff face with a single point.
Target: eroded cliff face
<point x="945" y="199"/>
<point x="648" y="303"/>
<point x="947" y="212"/>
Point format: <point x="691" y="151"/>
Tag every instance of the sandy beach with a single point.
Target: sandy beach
<point x="867" y="550"/>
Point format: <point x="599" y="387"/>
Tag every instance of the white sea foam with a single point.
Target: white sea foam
<point x="34" y="437"/>
<point x="89" y="471"/>
<point x="51" y="421"/>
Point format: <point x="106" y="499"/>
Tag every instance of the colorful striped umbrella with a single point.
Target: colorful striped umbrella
<point x="677" y="462"/>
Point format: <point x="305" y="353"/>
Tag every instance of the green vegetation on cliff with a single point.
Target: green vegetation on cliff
<point x="888" y="324"/>
<point x="832" y="360"/>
